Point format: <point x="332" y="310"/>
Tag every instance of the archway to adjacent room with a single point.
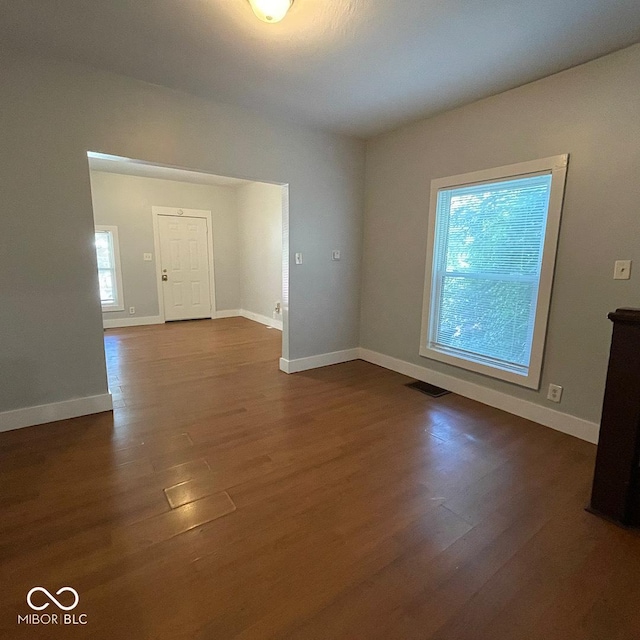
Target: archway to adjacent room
<point x="176" y="246"/>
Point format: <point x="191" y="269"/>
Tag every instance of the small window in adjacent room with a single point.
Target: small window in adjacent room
<point x="109" y="273"/>
<point x="490" y="260"/>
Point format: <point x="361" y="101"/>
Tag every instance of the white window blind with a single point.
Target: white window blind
<point x="488" y="251"/>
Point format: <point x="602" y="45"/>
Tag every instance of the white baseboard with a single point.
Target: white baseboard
<point x="322" y="360"/>
<point x="64" y="410"/>
<point x="131" y="322"/>
<point x="249" y="315"/>
<point x="256" y="317"/>
<point x="228" y="313"/>
<point x="564" y="422"/>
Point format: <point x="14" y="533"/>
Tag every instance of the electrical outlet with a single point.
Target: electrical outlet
<point x="132" y="311"/>
<point x="555" y="393"/>
<point x="147" y="257"/>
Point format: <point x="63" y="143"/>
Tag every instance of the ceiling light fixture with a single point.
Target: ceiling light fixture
<point x="270" y="10"/>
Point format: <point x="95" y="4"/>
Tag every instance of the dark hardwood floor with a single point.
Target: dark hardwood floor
<point x="225" y="499"/>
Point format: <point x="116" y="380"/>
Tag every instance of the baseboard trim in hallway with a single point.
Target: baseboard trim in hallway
<point x="41" y="414"/>
<point x="256" y="317"/>
<point x="249" y="315"/>
<point x="118" y="323"/>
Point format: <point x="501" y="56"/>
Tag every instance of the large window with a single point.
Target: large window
<point x="109" y="273"/>
<point x="491" y="254"/>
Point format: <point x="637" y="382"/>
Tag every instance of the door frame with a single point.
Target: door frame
<point x="177" y="212"/>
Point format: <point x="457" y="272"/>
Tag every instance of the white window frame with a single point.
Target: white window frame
<point x="119" y="303"/>
<point x="557" y="167"/>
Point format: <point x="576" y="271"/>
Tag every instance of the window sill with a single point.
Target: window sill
<point x="530" y="381"/>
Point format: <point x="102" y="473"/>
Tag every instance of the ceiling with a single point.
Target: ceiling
<point x="125" y="166"/>
<point x="352" y="66"/>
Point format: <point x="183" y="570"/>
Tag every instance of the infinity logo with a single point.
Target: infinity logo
<point x="53" y="599"/>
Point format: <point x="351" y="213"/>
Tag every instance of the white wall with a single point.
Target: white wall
<point x="126" y="201"/>
<point x="259" y="209"/>
<point x="51" y="114"/>
<point x="591" y="112"/>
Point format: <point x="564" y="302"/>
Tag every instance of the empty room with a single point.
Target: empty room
<point x="320" y="319"/>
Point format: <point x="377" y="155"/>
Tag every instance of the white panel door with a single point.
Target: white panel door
<point x="184" y="263"/>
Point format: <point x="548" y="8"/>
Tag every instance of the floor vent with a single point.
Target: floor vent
<point x="428" y="389"/>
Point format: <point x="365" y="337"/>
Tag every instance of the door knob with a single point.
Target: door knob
<point x="165" y="277"/>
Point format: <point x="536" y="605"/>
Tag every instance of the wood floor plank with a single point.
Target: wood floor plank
<point x="172" y="523"/>
<point x="189" y="491"/>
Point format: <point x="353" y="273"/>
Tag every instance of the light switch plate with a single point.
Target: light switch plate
<point x="298" y="258"/>
<point x="622" y="270"/>
<point x="148" y="257"/>
<point x="335" y="254"/>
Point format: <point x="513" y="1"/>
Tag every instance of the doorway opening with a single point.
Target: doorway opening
<point x="178" y="245"/>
